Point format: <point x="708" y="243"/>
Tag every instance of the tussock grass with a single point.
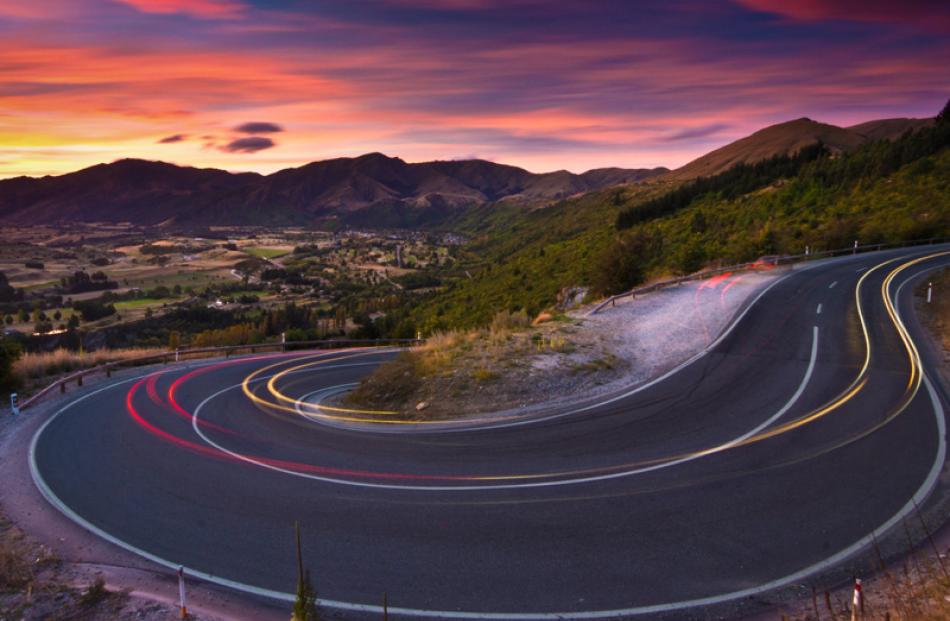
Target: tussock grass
<point x="33" y="366"/>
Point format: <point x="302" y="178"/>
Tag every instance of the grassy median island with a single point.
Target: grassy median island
<point x="513" y="363"/>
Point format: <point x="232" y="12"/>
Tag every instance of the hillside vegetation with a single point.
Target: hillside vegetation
<point x="884" y="191"/>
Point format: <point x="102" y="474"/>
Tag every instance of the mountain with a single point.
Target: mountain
<point x="370" y="190"/>
<point x="790" y="137"/>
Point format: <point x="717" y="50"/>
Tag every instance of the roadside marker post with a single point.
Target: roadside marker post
<point x="177" y="355"/>
<point x="855" y="247"/>
<point x="857" y="603"/>
<point x="930" y="292"/>
<point x="283" y="341"/>
<point x="14" y="404"/>
<point x="181" y="592"/>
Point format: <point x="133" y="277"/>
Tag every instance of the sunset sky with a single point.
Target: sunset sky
<point x="261" y="86"/>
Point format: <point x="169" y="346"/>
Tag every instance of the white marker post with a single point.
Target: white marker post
<point x="930" y="292"/>
<point x="807" y="251"/>
<point x="177" y="355"/>
<point x="857" y="603"/>
<point x="181" y="592"/>
<point x="14" y="404"/>
<point x="855" y="247"/>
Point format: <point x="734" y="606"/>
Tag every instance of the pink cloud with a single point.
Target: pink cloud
<point x="209" y="9"/>
<point x="930" y="14"/>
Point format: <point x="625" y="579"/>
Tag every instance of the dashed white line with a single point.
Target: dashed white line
<point x="818" y="311"/>
<point x="832" y="285"/>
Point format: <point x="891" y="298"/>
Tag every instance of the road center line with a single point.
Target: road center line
<point x="832" y="285"/>
<point x="818" y="312"/>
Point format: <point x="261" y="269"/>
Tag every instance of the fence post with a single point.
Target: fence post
<point x="857" y="602"/>
<point x="183" y="608"/>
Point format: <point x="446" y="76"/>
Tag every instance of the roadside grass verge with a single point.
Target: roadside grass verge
<point x="38" y="365"/>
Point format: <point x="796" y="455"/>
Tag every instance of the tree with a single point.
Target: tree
<point x="944" y="116"/>
<point x="8" y="319"/>
<point x="622" y="265"/>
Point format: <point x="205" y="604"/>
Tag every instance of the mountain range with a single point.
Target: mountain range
<point x="371" y="190"/>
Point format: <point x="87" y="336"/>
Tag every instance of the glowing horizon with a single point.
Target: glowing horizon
<point x="260" y="87"/>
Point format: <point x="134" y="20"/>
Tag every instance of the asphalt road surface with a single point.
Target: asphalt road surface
<point x="814" y="422"/>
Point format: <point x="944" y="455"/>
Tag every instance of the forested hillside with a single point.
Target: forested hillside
<point x="885" y="191"/>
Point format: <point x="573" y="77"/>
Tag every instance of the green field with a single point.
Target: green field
<point x="143" y="303"/>
<point x="264" y="252"/>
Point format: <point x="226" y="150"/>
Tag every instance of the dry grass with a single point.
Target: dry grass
<point x="937" y="313"/>
<point x="15" y="569"/>
<point x="919" y="590"/>
<point x="456" y="364"/>
<point x="38" y="365"/>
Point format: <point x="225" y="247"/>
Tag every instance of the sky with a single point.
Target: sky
<point x="244" y="85"/>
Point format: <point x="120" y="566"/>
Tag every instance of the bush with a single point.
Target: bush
<point x="505" y="321"/>
<point x="91" y="310"/>
<point x="10" y="352"/>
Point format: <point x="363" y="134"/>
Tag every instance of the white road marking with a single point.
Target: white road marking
<point x="917" y="499"/>
<point x="818" y="312"/>
<point x="832" y="285"/>
<point x="860" y="269"/>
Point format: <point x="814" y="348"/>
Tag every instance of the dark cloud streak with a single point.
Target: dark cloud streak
<point x="251" y="144"/>
<point x="259" y="127"/>
<point x="173" y="138"/>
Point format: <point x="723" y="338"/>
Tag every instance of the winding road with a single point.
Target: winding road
<point x="814" y="422"/>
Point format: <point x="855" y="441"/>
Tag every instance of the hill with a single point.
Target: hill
<point x="791" y="137"/>
<point x="784" y="138"/>
<point x="373" y="190"/>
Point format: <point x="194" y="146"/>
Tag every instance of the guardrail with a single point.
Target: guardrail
<point x="774" y="261"/>
<point x="179" y="354"/>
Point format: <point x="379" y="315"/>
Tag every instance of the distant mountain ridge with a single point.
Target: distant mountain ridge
<point x="370" y="190"/>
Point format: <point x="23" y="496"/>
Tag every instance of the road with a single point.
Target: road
<point x="813" y="422"/>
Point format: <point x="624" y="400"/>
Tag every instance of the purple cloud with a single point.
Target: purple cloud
<point x="692" y="133"/>
<point x="173" y="138"/>
<point x="252" y="144"/>
<point x="259" y="127"/>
